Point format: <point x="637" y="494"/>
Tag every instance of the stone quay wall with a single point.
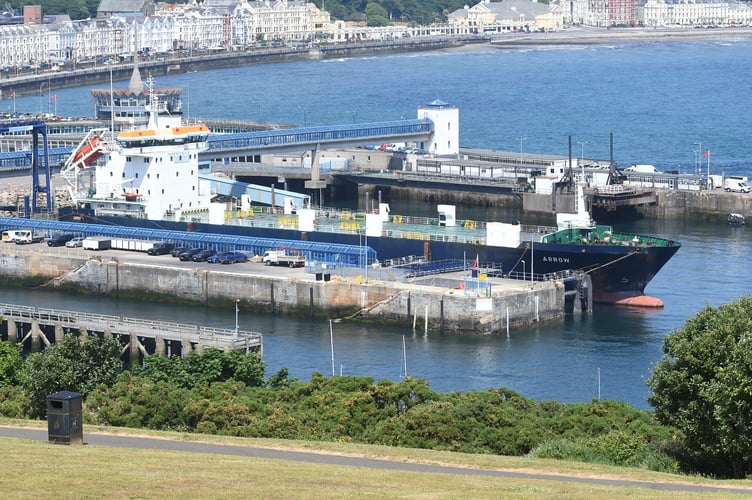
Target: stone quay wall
<point x="457" y="311"/>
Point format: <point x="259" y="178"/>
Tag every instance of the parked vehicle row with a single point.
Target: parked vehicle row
<point x="184" y="253"/>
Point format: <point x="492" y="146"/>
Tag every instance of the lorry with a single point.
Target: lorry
<point x="290" y="258"/>
<point x="25" y="237"/>
<point x="737" y="185"/>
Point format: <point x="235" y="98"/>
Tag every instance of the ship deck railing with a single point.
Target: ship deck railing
<point x="345" y="221"/>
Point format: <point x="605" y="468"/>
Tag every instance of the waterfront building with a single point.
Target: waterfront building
<point x="23" y="44"/>
<point x="109" y="8"/>
<point x="508" y="16"/>
<point x="283" y="20"/>
<point x="127" y="106"/>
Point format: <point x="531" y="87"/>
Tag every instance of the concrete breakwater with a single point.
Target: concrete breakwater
<point x="503" y="305"/>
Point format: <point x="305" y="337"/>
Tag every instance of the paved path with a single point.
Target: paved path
<point x="93" y="439"/>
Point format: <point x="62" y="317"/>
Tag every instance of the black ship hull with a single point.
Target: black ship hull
<point x="619" y="273"/>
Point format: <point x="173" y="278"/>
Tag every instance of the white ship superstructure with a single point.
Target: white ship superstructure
<point x="146" y="173"/>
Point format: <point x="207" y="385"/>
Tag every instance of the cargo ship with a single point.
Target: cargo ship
<point x="149" y="178"/>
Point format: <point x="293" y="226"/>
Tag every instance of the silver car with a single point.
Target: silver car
<point x="76" y="242"/>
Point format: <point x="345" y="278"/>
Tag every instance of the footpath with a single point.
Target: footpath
<point x="339" y="460"/>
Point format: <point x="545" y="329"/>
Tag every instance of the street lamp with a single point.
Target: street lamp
<point x="521" y="139"/>
<point x="582" y="149"/>
<point x="523" y="270"/>
<point x="698" y="158"/>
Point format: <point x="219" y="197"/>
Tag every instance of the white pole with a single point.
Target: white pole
<point x="507" y="321"/>
<point x="404" y="355"/>
<point x="415" y="318"/>
<point x="532" y="259"/>
<point x="331" y="341"/>
<point x="235" y="336"/>
<point x="426" y="325"/>
<point x="599" y="384"/>
<point x="112" y="106"/>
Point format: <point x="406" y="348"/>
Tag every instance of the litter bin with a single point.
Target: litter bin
<point x="327" y="276"/>
<point x="319" y="276"/>
<point x="64" y="418"/>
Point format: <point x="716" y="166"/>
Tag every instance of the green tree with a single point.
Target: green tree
<point x="70" y="365"/>
<point x="376" y="15"/>
<point x="703" y="387"/>
<point x="10" y="363"/>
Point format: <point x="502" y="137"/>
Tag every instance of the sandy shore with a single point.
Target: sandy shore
<point x="582" y="36"/>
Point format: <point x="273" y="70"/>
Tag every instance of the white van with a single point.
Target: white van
<point x="736" y="185"/>
<point x="25" y="237"/>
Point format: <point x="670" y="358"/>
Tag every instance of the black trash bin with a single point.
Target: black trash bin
<point x="64" y="418"/>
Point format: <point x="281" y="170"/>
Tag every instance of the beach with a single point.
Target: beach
<point x="593" y="36"/>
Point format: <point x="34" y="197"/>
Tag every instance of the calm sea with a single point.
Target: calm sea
<point x="664" y="104"/>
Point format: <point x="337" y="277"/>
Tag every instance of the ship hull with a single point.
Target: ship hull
<point x="618" y="272"/>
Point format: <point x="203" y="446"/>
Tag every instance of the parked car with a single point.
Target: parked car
<point x="217" y="258"/>
<point x="203" y="255"/>
<point x="188" y="254"/>
<point x="76" y="242"/>
<point x="160" y="248"/>
<point x="234" y="257"/>
<point x="178" y="250"/>
<point x="59" y="239"/>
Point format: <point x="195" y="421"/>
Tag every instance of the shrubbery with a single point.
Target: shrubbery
<point x="227" y="393"/>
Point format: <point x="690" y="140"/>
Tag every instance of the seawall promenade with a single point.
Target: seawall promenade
<point x="77" y="76"/>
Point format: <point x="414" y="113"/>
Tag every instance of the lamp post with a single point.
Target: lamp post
<point x="523" y="270"/>
<point x="521" y="139"/>
<point x="41" y="85"/>
<point x="235" y="335"/>
<point x="582" y="149"/>
<point x="698" y="158"/>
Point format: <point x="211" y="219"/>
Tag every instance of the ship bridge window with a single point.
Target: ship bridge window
<point x="177" y="174"/>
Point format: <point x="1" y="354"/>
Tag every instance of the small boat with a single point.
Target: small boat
<point x="736" y="219"/>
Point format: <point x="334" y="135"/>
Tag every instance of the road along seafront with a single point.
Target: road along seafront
<point x="456" y="304"/>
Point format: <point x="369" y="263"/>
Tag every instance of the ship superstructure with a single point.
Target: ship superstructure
<point x="145" y="173"/>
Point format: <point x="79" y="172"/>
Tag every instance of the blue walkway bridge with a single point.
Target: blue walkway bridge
<point x="304" y="138"/>
<point x="224" y="146"/>
<point x="330" y="253"/>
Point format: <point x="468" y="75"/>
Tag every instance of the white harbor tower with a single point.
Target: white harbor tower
<point x="446" y="132"/>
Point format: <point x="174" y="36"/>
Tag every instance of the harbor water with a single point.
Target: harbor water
<point x="666" y="105"/>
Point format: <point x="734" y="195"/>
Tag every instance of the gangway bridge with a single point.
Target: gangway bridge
<point x="222" y="147"/>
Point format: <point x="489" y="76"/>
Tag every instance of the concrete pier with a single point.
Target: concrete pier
<point x="487" y="306"/>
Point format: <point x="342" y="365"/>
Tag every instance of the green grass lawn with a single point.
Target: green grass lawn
<point x="37" y="469"/>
